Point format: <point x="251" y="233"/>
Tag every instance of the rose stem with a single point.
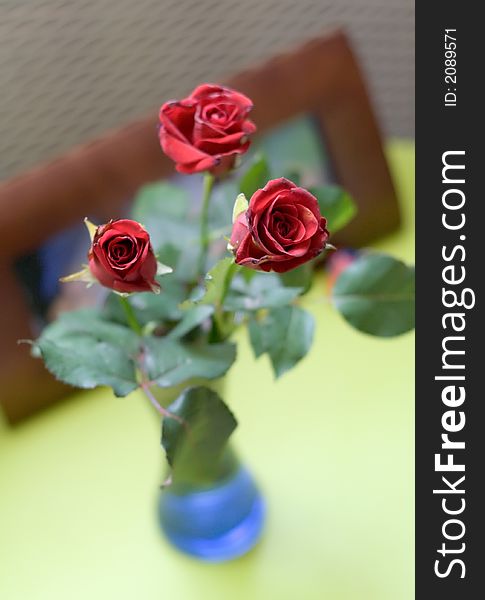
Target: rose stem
<point x="219" y="311"/>
<point x="133" y="323"/>
<point x="204" y="220"/>
<point x="163" y="411"/>
<point x="130" y="315"/>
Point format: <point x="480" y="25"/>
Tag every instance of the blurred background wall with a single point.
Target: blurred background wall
<point x="69" y="70"/>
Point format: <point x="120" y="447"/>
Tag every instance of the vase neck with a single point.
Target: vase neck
<point x="225" y="468"/>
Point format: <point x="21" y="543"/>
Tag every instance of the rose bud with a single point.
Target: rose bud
<point x="281" y="228"/>
<point x="121" y="257"/>
<point x="207" y="130"/>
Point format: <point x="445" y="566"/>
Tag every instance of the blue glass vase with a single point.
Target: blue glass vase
<point x="216" y="520"/>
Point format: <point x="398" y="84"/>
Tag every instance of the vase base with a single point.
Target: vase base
<point x="230" y="545"/>
<point x="218" y="524"/>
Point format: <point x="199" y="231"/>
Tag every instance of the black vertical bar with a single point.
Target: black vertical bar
<point x="450" y="555"/>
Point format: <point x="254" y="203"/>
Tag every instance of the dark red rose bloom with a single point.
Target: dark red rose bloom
<point x="281" y="229"/>
<point x="207" y="130"/>
<point x="121" y="257"/>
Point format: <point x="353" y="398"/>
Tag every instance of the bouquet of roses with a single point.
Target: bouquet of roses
<point x="182" y="278"/>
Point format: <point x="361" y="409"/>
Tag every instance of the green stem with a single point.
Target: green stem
<point x="159" y="408"/>
<point x="130" y="315"/>
<point x="137" y="328"/>
<point x="204" y="221"/>
<point x="222" y="330"/>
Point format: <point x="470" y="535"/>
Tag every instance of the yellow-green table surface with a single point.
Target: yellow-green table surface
<point x="331" y="443"/>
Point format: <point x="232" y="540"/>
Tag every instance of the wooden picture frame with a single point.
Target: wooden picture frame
<point x="321" y="78"/>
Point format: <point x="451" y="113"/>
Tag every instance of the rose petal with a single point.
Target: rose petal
<point x="308" y="220"/>
<point x="296" y="232"/>
<point x="148" y="268"/>
<point x="239" y="230"/>
<point x="209" y="90"/>
<point x="130" y="270"/>
<point x="204" y="164"/>
<point x="267" y="240"/>
<point x="99" y="271"/>
<point x="129" y="227"/>
<point x="224" y="144"/>
<point x="262" y="198"/>
<point x="303" y="197"/>
<point x="299" y="249"/>
<point x="128" y="287"/>
<point x="182" y="152"/>
<point x="177" y="120"/>
<point x="248" y="127"/>
<point x="224" y="165"/>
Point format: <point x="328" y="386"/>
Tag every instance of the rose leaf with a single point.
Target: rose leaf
<point x="336" y="205"/>
<point x="285" y="333"/>
<point x="192" y="318"/>
<point x="148" y="307"/>
<point x="301" y="277"/>
<point x="195" y="442"/>
<point x="217" y="283"/>
<point x="375" y="294"/>
<point x="169" y="362"/>
<point x="220" y="208"/>
<point x="163" y="209"/>
<point x="256" y="177"/>
<point x="264" y="290"/>
<point x="83" y="350"/>
<point x="294" y="175"/>
<point x="158" y="201"/>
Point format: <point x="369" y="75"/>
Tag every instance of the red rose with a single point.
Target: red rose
<point x="206" y="131"/>
<point x="121" y="257"/>
<point x="281" y="229"/>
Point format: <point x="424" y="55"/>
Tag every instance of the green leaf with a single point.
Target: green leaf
<point x="168" y="254"/>
<point x="196" y="446"/>
<point x="294" y="175"/>
<point x="163" y="208"/>
<point x="218" y="280"/>
<point x="160" y="200"/>
<point x="89" y="321"/>
<point x="301" y="277"/>
<point x="169" y="362"/>
<point x="255" y="177"/>
<point x="294" y="146"/>
<point x="262" y="291"/>
<point x="149" y="307"/>
<point x="85" y="351"/>
<point x="259" y="335"/>
<point x="375" y="294"/>
<point x="220" y="208"/>
<point x="286" y="334"/>
<point x="192" y="318"/>
<point x="336" y="205"/>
